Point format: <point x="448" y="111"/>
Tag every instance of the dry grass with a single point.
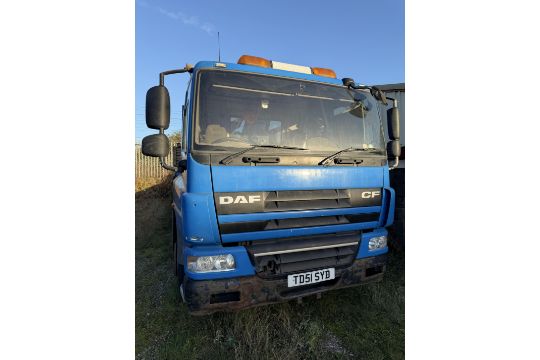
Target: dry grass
<point x="153" y="187"/>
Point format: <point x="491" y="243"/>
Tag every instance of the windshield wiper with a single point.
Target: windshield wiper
<point x="229" y="158"/>
<point x="326" y="160"/>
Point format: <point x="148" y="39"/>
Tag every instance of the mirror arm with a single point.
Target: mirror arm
<point x="187" y="68"/>
<point x="162" y="159"/>
<point x="394" y="101"/>
<point x="360" y="87"/>
<point x="165" y="166"/>
<point x="383" y="98"/>
<point x="352" y="85"/>
<point x="395" y="164"/>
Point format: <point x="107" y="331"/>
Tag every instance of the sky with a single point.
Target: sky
<point x="363" y="40"/>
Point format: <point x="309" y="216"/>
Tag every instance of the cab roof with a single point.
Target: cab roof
<point x="216" y="65"/>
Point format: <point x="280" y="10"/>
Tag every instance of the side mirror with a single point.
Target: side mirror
<point x="156" y="145"/>
<point x="158" y="108"/>
<point x="394" y="148"/>
<point x="393" y="123"/>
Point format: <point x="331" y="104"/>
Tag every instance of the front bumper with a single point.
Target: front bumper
<point x="207" y="296"/>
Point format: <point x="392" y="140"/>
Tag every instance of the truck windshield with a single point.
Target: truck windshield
<point x="238" y="110"/>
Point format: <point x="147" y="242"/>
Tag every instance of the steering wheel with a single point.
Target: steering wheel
<point x="225" y="139"/>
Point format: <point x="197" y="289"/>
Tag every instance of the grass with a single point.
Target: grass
<point x="365" y="322"/>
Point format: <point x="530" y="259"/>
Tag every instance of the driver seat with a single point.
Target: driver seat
<point x="214" y="132"/>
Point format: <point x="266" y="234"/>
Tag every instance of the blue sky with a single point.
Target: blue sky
<point x="359" y="39"/>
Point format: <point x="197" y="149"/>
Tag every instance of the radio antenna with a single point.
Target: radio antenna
<point x="219" y="47"/>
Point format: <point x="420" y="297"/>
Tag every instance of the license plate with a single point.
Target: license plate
<point x="311" y="277"/>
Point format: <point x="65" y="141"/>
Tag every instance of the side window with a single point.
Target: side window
<point x="185" y="108"/>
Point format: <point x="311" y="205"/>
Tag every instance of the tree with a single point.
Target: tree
<point x="175" y="137"/>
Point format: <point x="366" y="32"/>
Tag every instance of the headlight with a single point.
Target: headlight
<point x="212" y="263"/>
<point x="376" y="243"/>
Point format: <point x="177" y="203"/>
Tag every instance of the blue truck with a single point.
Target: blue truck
<point x="281" y="183"/>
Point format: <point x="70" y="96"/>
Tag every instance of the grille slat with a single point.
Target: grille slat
<point x="307" y="195"/>
<point x="292" y="223"/>
<point x="307" y="200"/>
<point x="312" y="255"/>
<point x="315" y="204"/>
<point x="301" y="266"/>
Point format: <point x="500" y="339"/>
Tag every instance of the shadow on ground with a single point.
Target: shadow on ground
<point x="365" y="322"/>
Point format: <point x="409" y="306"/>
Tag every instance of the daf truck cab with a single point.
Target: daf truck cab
<point x="281" y="186"/>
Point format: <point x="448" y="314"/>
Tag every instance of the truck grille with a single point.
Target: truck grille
<point x="294" y="200"/>
<point x="306" y="200"/>
<point x="247" y="216"/>
<point x="280" y="257"/>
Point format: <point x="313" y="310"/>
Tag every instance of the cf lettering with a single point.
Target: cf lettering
<point x="370" y="194"/>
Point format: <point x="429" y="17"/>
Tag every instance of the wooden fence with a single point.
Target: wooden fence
<point x="149" y="167"/>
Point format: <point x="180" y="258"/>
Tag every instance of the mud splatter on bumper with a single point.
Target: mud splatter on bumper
<point x="207" y="296"/>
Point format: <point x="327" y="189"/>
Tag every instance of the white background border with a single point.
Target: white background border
<point x="67" y="231"/>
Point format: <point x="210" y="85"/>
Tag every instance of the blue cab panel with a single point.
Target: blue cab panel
<point x="262" y="178"/>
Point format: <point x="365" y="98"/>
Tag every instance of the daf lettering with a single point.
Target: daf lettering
<point x="370" y="194"/>
<point x="240" y="199"/>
